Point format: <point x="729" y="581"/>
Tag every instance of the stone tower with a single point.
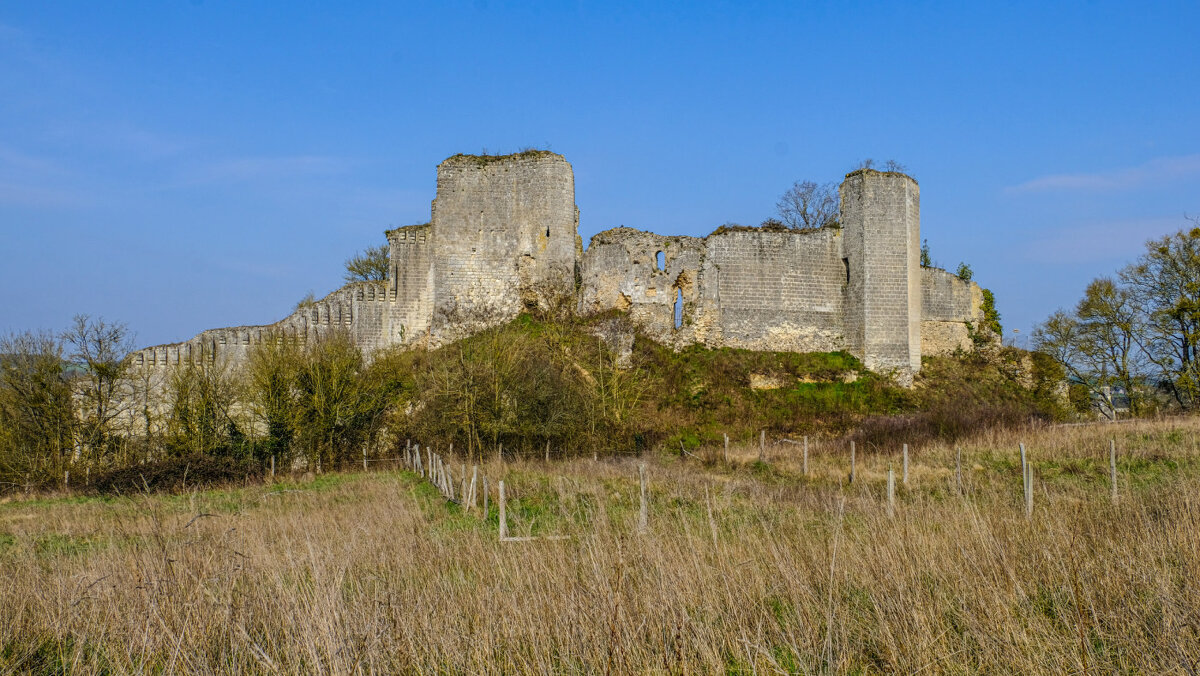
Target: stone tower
<point x="881" y="221"/>
<point x="504" y="233"/>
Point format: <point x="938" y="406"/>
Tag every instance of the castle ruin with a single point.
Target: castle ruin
<point x="503" y="237"/>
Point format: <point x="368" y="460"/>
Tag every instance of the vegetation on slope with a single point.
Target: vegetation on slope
<point x="532" y="386"/>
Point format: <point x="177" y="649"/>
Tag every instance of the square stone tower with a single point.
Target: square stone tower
<point x="881" y="221"/>
<point x="504" y="232"/>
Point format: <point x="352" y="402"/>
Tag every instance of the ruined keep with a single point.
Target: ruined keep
<point x="503" y="237"/>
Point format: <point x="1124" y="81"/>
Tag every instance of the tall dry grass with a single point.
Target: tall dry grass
<point x="376" y="573"/>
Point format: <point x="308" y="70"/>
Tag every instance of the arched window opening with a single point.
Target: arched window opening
<point x="660" y="259"/>
<point x="678" y="308"/>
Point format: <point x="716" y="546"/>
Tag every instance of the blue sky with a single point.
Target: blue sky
<point x="186" y="165"/>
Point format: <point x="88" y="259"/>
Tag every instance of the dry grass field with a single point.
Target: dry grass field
<point x="746" y="567"/>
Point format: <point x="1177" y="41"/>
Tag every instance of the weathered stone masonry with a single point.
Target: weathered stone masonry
<point x="503" y="237"/>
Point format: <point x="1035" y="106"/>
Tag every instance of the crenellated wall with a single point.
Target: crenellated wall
<point x="503" y="238"/>
<point x="359" y="309"/>
<point x="410" y="285"/>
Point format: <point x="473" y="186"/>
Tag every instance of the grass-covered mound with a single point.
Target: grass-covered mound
<point x="534" y="382"/>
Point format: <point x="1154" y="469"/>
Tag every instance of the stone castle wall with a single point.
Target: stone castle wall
<point x="503" y="238"/>
<point x="746" y="288"/>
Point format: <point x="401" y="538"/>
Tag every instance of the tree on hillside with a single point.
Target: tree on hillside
<point x="37" y="411"/>
<point x="369" y="265"/>
<point x="808" y="205"/>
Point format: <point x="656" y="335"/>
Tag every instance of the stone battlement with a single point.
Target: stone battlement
<point x="503" y="238"/>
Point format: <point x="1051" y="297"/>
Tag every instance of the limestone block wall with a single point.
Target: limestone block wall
<point x="504" y="236"/>
<point x="880" y="214"/>
<point x="948" y="304"/>
<point x="776" y="290"/>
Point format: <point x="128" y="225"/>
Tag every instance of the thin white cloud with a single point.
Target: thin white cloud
<point x="15" y="162"/>
<point x="1158" y="169"/>
<point x="1115" y="241"/>
<point x="25" y="195"/>
<point x="268" y="168"/>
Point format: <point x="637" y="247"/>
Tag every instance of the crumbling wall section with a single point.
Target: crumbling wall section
<point x="649" y="276"/>
<point x="950" y="309"/>
<point x="504" y="238"/>
<point x="748" y="288"/>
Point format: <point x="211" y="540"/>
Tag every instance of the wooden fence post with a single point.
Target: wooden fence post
<point x="1023" y="461"/>
<point x="1112" y="468"/>
<point x="762" y="445"/>
<point x="547" y="450"/>
<point x="725" y="453"/>
<point x="472" y="489"/>
<point x="852" y="450"/>
<point x="486" y="493"/>
<point x="891" y="492"/>
<point x="364" y="459"/>
<point x="643" y="515"/>
<point x="503" y="514"/>
<point x="1028" y="491"/>
<point x="904" y="471"/>
<point x="272" y="467"/>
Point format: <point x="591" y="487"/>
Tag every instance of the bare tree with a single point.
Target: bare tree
<point x="1099" y="343"/>
<point x="100" y="349"/>
<point x="369" y="265"/>
<point x="890" y="165"/>
<point x="808" y="205"/>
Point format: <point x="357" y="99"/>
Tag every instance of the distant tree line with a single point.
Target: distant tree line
<point x="1136" y="332"/>
<point x="72" y="405"/>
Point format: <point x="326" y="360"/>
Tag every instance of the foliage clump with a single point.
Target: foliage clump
<point x="369" y="265"/>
